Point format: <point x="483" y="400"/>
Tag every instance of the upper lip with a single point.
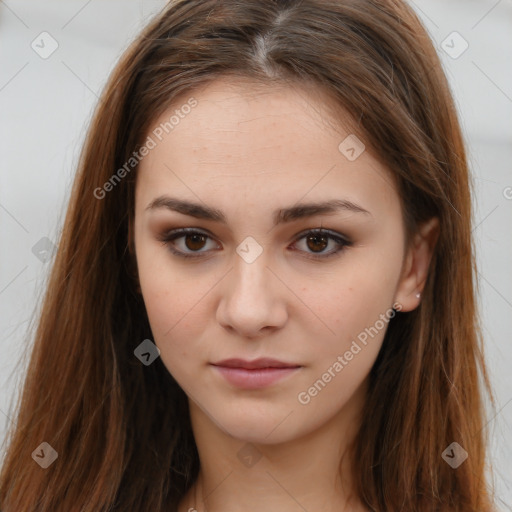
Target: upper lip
<point x="263" y="362"/>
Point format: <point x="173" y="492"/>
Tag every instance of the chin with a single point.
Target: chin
<point x="258" y="429"/>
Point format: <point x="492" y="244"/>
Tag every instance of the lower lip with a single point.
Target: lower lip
<point x="254" y="379"/>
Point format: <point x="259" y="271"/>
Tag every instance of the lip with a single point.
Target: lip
<point x="262" y="362"/>
<point x="255" y="374"/>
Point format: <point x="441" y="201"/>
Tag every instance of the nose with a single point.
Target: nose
<point x="252" y="303"/>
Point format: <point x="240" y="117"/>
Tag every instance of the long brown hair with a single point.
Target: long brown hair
<point x="121" y="429"/>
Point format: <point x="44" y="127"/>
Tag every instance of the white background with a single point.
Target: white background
<point x="45" y="105"/>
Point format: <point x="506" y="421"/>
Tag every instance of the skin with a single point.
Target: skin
<point x="248" y="151"/>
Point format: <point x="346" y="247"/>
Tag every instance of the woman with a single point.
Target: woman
<point x="263" y="296"/>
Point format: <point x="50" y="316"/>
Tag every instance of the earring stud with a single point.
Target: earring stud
<point x="418" y="295"/>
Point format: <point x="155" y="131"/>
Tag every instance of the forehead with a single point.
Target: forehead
<point x="262" y="142"/>
<point x="232" y="112"/>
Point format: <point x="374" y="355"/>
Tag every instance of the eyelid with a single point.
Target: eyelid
<point x="339" y="238"/>
<point x="169" y="236"/>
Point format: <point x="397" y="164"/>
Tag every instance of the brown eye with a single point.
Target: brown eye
<point x="196" y="241"/>
<point x="187" y="242"/>
<point x="190" y="243"/>
<point x="317" y="242"/>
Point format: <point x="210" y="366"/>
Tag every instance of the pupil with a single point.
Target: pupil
<point x="316" y="238"/>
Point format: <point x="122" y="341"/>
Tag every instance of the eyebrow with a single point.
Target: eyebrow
<point x="283" y="215"/>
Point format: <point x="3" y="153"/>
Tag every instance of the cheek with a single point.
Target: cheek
<point x="359" y="315"/>
<point x="357" y="324"/>
<point x="173" y="299"/>
<point x="356" y="307"/>
<point x="177" y="321"/>
<point x="354" y="298"/>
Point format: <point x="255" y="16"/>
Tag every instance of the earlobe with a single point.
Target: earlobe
<point x="416" y="265"/>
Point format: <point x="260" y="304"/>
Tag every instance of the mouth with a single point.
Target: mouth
<point x="256" y="374"/>
<point x="257" y="364"/>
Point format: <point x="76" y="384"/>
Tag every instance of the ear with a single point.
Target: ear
<point x="416" y="265"/>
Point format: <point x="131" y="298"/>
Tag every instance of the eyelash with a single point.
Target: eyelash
<point x="170" y="236"/>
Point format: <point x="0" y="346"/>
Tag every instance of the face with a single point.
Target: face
<point x="253" y="276"/>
